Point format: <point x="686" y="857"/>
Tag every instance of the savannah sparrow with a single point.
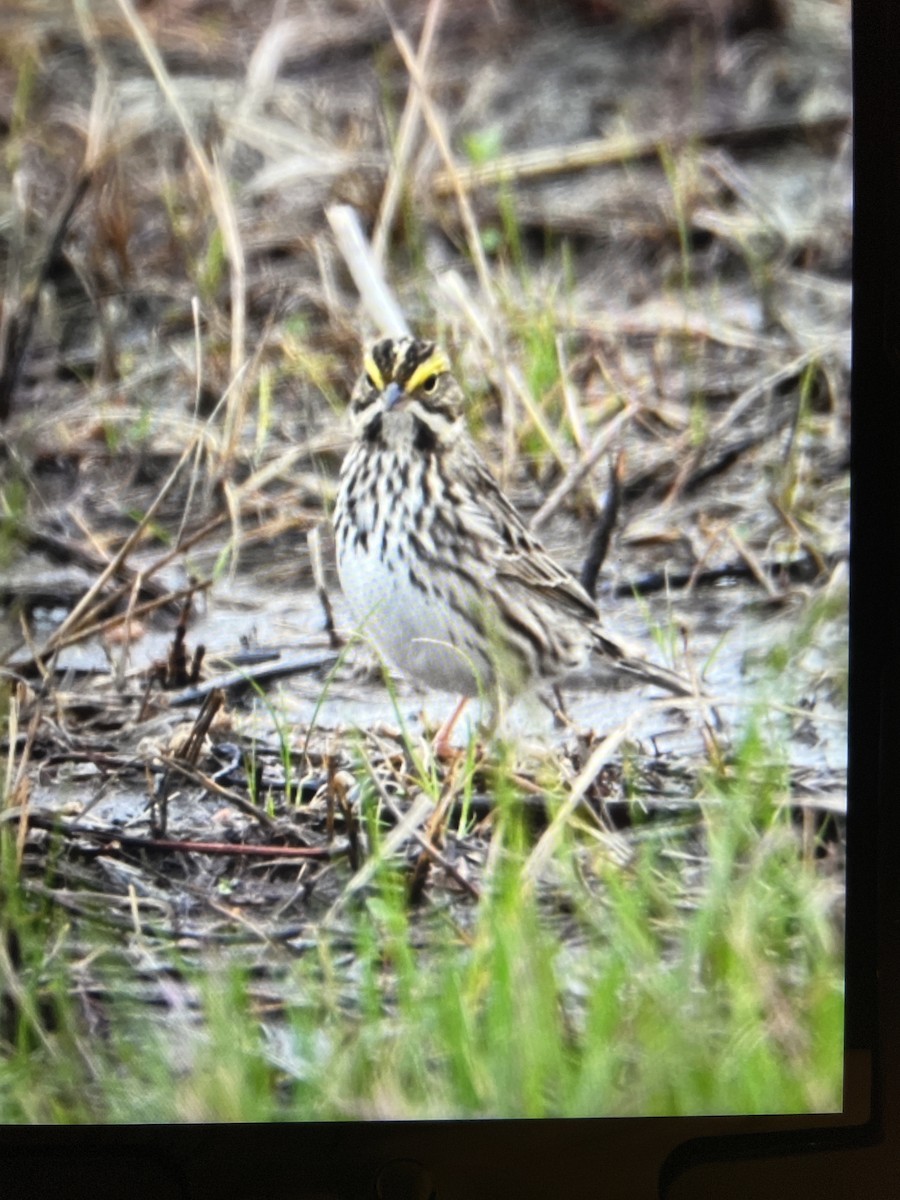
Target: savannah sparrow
<point x="435" y="562"/>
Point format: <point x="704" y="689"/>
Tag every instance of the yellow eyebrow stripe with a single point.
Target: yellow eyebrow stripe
<point x="434" y="365"/>
<point x="372" y="371"/>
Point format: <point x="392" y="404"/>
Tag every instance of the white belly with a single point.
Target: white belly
<point x="416" y="632"/>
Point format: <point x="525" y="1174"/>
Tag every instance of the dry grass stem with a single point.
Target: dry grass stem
<point x="219" y="193"/>
<point x="539" y="857"/>
<point x="735" y="411"/>
<point x="420" y="809"/>
<point x="624" y="148"/>
<point x="580" y="470"/>
<point x="406" y="135"/>
<point x="378" y="301"/>
<point x="758" y="570"/>
<point x="73" y="620"/>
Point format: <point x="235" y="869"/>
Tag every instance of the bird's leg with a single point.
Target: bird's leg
<point x="557" y="706"/>
<point x="441" y="744"/>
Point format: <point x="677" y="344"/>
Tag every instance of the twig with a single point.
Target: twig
<point x="430" y="852"/>
<point x="215" y="789"/>
<point x="603" y="528"/>
<point x="438" y="817"/>
<point x="202" y="722"/>
<point x="628" y="147"/>
<point x="245" y="677"/>
<point x="97" y="628"/>
<point x="67" y="550"/>
<point x="315" y="558"/>
<point x="16" y="328"/>
<point x="801" y="569"/>
<point x="52" y="823"/>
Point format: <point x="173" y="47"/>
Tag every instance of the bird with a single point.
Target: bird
<point x="436" y="565"/>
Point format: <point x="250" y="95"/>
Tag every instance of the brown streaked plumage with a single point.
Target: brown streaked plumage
<point x="435" y="562"/>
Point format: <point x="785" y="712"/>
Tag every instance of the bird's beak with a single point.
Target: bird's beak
<point x="393" y="393"/>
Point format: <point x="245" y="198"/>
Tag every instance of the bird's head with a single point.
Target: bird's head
<point x="407" y="376"/>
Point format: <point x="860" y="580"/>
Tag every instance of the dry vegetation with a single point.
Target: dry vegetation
<point x="633" y="235"/>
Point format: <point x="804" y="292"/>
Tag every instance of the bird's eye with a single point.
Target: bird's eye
<point x="429" y="384"/>
<point x="369" y="380"/>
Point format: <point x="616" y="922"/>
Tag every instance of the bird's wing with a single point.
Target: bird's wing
<point x="514" y="554"/>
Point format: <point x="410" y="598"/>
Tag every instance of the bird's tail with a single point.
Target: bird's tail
<point x="632" y="664"/>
